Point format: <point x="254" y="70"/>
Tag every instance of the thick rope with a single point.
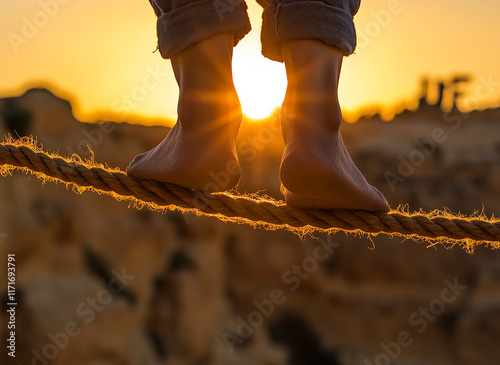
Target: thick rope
<point x="254" y="210"/>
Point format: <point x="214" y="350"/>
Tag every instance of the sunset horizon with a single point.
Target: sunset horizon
<point x="410" y="102"/>
<point x="103" y="69"/>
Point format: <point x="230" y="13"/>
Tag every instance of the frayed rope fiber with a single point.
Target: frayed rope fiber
<point x="255" y="210"/>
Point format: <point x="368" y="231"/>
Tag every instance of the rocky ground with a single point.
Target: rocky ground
<point x="99" y="282"/>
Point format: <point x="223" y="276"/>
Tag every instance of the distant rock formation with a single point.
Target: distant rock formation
<point x="452" y="88"/>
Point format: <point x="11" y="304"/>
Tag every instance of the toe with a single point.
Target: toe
<point x="133" y="165"/>
<point x="379" y="203"/>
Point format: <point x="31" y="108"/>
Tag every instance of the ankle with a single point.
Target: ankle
<point x="302" y="116"/>
<point x="217" y="112"/>
<point x="313" y="70"/>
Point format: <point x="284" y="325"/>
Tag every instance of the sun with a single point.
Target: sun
<point x="260" y="83"/>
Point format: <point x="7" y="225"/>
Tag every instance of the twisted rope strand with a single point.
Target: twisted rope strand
<point x="469" y="232"/>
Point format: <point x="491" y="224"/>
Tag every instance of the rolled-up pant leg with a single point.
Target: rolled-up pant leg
<point x="330" y="21"/>
<point x="182" y="23"/>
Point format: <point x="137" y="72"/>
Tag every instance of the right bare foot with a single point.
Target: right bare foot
<point x="200" y="151"/>
<point x="316" y="169"/>
<point x="317" y="172"/>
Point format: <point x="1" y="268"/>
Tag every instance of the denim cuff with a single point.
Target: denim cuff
<point x="306" y="20"/>
<point x="187" y="25"/>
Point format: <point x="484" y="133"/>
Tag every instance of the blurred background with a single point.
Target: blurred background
<point x="100" y="282"/>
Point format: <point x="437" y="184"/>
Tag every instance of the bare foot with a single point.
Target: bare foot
<point x="200" y="151"/>
<point x="316" y="170"/>
<point x="205" y="161"/>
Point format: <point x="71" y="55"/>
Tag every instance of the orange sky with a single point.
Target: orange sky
<point x="100" y="53"/>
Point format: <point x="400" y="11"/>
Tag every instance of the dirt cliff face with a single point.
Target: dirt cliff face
<point x="99" y="282"/>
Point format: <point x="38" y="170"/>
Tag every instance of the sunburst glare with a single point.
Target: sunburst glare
<point x="261" y="84"/>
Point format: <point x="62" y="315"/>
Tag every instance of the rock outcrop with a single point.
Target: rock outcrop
<point x="99" y="282"/>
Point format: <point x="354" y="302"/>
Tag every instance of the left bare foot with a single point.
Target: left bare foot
<point x="200" y="150"/>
